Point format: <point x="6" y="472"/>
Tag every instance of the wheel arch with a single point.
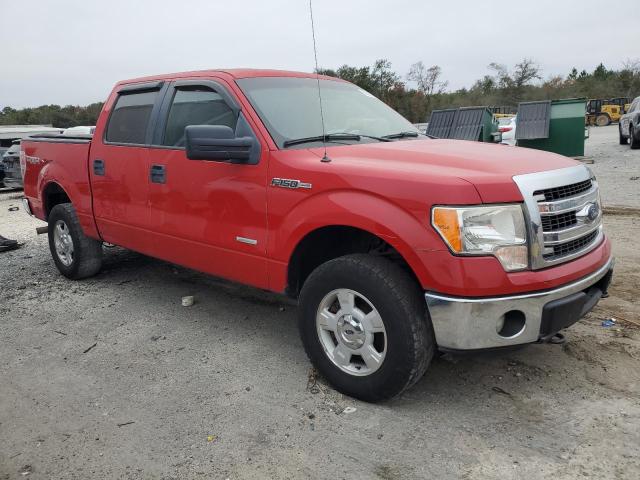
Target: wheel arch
<point x="53" y="194"/>
<point x="352" y="223"/>
<point x="333" y="241"/>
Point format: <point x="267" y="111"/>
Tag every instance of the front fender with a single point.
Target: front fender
<point x="407" y="232"/>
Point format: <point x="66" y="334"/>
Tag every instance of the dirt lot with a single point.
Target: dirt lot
<point x="616" y="166"/>
<point x="112" y="378"/>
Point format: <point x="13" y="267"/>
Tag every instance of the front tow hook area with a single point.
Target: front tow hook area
<point x="555" y="339"/>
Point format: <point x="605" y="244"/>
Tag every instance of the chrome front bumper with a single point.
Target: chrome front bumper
<point x="474" y="323"/>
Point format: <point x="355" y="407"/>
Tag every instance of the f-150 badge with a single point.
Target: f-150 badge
<point x="289" y="183"/>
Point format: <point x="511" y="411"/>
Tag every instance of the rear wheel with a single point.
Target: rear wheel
<point x="634" y="137"/>
<point x="76" y="255"/>
<point x="603" y="120"/>
<point x="365" y="326"/>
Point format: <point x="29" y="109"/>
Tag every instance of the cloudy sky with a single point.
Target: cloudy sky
<point x="72" y="52"/>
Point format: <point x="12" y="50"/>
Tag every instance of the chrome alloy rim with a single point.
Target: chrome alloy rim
<point x="63" y="243"/>
<point x="351" y="332"/>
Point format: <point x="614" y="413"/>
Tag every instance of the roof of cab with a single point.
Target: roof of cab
<point x="234" y="73"/>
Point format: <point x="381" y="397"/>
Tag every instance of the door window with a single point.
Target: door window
<point x="130" y="118"/>
<point x="195" y="106"/>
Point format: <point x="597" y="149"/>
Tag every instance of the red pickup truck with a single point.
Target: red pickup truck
<point x="395" y="244"/>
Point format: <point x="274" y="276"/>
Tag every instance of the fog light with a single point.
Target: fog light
<point x="511" y="324"/>
<point x="512" y="258"/>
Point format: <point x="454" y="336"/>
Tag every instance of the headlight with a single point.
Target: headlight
<point x="497" y="230"/>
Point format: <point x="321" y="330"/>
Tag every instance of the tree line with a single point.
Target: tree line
<point x="423" y="89"/>
<point x="63" y="117"/>
<point x="419" y="91"/>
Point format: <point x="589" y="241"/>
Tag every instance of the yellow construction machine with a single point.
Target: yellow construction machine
<point x="601" y="112"/>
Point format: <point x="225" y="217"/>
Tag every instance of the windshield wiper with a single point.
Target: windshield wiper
<point x="332" y="137"/>
<point x="327" y="138"/>
<point x="401" y="135"/>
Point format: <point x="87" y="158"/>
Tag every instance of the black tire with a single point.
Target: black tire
<point x="634" y="137"/>
<point x="603" y="120"/>
<point x="410" y="342"/>
<point x="623" y="140"/>
<point x="86" y="257"/>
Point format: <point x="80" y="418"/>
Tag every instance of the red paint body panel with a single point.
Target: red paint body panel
<point x="387" y="189"/>
<point x="484" y="276"/>
<point x="66" y="165"/>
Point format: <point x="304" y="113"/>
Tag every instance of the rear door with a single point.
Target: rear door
<point x="207" y="215"/>
<point x="119" y="165"/>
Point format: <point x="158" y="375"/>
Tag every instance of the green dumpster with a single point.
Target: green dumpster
<point x="466" y="123"/>
<point x="555" y="126"/>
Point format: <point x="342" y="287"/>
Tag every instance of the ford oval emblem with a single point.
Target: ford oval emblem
<point x="593" y="212"/>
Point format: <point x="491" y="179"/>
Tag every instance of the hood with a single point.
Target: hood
<point x="489" y="167"/>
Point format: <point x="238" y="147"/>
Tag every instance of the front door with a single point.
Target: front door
<point x="207" y="215"/>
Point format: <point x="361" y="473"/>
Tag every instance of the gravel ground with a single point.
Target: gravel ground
<point x="616" y="166"/>
<point x="111" y="377"/>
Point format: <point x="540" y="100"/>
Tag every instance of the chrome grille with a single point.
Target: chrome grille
<point x="564" y="214"/>
<point x="558" y="221"/>
<point x="556" y="193"/>
<point x="569" y="247"/>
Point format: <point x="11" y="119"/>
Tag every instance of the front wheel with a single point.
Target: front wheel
<point x="76" y="255"/>
<point x="365" y="326"/>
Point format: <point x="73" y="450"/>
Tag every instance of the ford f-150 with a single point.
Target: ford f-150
<point x="396" y="245"/>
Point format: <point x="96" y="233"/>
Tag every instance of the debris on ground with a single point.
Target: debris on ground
<point x="14" y="209"/>
<point x="26" y="470"/>
<point x="312" y="381"/>
<point x="187" y="301"/>
<point x="609" y="322"/>
<point x="349" y="410"/>
<point x="125" y="424"/>
<point x="635" y="323"/>
<point x="90" y="348"/>
<point x="211" y="438"/>
<point x="500" y="391"/>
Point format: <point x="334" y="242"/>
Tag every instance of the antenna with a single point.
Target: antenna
<point x="325" y="158"/>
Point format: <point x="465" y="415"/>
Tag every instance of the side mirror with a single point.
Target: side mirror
<point x="217" y="143"/>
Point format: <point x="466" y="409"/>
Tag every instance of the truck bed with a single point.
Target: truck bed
<point x="45" y="158"/>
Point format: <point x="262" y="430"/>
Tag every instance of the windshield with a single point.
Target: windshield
<point x="290" y="109"/>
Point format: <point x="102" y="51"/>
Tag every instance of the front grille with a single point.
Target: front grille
<point x="565" y="249"/>
<point x="551" y="223"/>
<point x="564" y="212"/>
<point x="556" y="193"/>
